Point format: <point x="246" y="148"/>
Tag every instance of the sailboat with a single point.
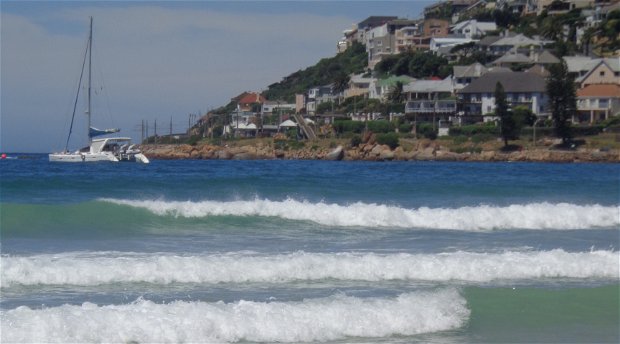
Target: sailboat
<point x="113" y="149"/>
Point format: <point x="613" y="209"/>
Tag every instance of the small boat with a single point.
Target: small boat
<point x="113" y="149"/>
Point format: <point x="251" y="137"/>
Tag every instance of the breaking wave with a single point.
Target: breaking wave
<point x="475" y="218"/>
<point x="330" y="318"/>
<point x="88" y="269"/>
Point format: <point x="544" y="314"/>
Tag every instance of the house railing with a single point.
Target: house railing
<point x="428" y="106"/>
<point x="593" y="104"/>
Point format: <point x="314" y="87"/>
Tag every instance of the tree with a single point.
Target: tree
<point x="562" y="100"/>
<point x="341" y="83"/>
<point x="396" y="95"/>
<point x="508" y="126"/>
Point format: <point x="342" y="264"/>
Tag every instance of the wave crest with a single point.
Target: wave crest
<point x="110" y="267"/>
<point x="475" y="218"/>
<point x="331" y="318"/>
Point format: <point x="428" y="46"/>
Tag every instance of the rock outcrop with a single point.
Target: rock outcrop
<point x="371" y="151"/>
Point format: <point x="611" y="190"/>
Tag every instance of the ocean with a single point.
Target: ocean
<point x="309" y="251"/>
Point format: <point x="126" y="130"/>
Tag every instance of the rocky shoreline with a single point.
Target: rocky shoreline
<point x="424" y="151"/>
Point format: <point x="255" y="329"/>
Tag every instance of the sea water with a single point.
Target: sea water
<point x="309" y="251"/>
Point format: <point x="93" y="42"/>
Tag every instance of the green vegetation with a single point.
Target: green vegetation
<point x="381" y="126"/>
<point x="417" y="64"/>
<point x="334" y="70"/>
<point x="474" y="129"/>
<point x="507" y="127"/>
<point x="427" y="130"/>
<point x="390" y="139"/>
<point x="608" y="31"/>
<point x="356" y="140"/>
<point x="562" y="100"/>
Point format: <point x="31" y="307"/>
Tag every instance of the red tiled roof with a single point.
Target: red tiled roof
<point x="250" y="98"/>
<point x="599" y="90"/>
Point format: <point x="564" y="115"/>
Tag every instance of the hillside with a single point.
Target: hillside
<point x="328" y="70"/>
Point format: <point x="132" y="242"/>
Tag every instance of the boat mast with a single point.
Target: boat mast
<point x="90" y="59"/>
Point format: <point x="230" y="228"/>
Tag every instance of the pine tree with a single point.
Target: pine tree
<point x="508" y="126"/>
<point x="562" y="100"/>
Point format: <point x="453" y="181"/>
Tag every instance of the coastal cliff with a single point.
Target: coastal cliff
<point x="419" y="150"/>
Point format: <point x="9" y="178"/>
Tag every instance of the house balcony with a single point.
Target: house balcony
<point x="471" y="100"/>
<point x="430" y="106"/>
<point x="594" y="105"/>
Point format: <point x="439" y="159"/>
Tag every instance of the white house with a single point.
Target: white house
<point x="270" y="106"/>
<point x="473" y="28"/>
<point x="521" y="89"/>
<point x="442" y="42"/>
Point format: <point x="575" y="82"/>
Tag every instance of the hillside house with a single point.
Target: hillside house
<point x="464" y="75"/>
<point x="249" y="101"/>
<point x="505" y="44"/>
<point x="381" y="88"/>
<point x="318" y="95"/>
<point x="603" y="71"/>
<point x="597" y="102"/>
<point x="359" y="85"/>
<point x="521" y="88"/>
<point x="431" y="100"/>
<point x="473" y="28"/>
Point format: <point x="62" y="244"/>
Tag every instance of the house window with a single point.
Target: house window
<point x="601" y="73"/>
<point x="603" y="103"/>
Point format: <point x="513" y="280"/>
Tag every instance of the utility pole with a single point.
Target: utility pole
<point x="155" y="132"/>
<point x="170" y="137"/>
<point x="142" y="132"/>
<point x="147" y="130"/>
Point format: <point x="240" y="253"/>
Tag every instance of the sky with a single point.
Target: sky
<point x="155" y="61"/>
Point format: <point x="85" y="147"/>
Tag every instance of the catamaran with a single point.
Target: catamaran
<point x="103" y="149"/>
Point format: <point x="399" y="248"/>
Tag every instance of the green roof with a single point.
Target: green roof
<point x="392" y="80"/>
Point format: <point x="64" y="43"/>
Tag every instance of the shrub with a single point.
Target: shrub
<point x="477" y="138"/>
<point x="460" y="139"/>
<point x="426" y="130"/>
<point x="405" y="128"/>
<point x="471" y="130"/>
<point x="356" y="140"/>
<point x="390" y="139"/>
<point x="342" y="126"/>
<point x="296" y="144"/>
<point x="381" y="126"/>
<point x="611" y="121"/>
<point x="193" y="140"/>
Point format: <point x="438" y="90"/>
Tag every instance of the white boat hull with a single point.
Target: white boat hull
<point x="87" y="157"/>
<point x="112" y="149"/>
<point x="82" y="157"/>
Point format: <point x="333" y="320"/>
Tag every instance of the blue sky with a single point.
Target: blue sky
<point x="156" y="60"/>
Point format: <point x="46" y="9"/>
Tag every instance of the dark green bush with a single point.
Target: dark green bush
<point x="471" y="130"/>
<point x="342" y="126"/>
<point x="426" y="130"/>
<point x="390" y="139"/>
<point x="356" y="140"/>
<point x="477" y="138"/>
<point x="611" y="121"/>
<point x="193" y="140"/>
<point x="381" y="126"/>
<point x="405" y="127"/>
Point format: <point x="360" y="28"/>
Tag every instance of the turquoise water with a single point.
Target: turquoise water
<point x="309" y="251"/>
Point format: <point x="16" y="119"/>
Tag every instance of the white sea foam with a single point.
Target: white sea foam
<point x="89" y="269"/>
<point x="475" y="218"/>
<point x="331" y="318"/>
